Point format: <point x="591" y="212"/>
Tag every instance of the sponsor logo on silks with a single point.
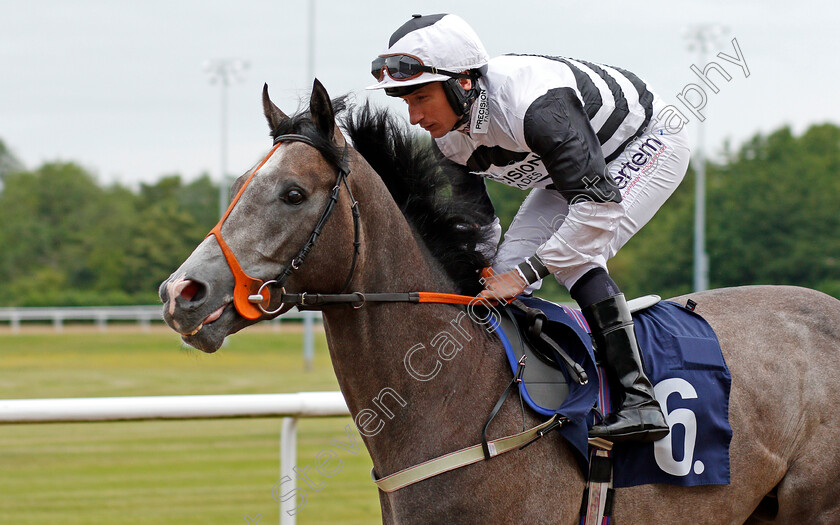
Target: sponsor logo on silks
<point x="523" y="174"/>
<point x="481" y="115"/>
<point x="643" y="155"/>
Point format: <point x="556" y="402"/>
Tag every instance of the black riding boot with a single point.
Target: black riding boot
<point x="639" y="417"/>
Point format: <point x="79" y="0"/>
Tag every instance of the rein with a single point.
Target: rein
<point x="358" y="299"/>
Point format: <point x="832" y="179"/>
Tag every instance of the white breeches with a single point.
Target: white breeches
<point x="571" y="240"/>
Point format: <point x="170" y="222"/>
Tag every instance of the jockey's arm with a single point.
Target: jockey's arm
<point x="556" y="128"/>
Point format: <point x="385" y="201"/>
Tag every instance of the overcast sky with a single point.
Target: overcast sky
<point x="119" y="87"/>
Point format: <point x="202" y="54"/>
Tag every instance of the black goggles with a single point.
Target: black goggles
<point x="405" y="67"/>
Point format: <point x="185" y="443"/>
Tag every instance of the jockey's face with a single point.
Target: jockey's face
<point x="428" y="108"/>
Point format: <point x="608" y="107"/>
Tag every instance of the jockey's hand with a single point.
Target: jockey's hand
<point x="503" y="285"/>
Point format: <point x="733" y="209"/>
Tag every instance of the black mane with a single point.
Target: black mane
<point x="416" y="180"/>
<point x="419" y="184"/>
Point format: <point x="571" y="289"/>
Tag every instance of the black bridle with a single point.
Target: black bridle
<point x="251" y="295"/>
<point x="297" y="260"/>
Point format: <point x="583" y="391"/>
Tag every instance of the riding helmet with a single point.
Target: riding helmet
<point x="444" y="42"/>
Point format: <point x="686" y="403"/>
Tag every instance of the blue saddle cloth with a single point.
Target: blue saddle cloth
<point x="691" y="381"/>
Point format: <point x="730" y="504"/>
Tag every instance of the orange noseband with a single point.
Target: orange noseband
<point x="245" y="285"/>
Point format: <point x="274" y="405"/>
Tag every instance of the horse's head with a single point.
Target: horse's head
<point x="268" y="230"/>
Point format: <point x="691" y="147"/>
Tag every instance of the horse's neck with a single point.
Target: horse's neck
<point x="416" y="374"/>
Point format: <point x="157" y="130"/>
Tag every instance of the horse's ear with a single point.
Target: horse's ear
<point x="321" y="109"/>
<point x="272" y="113"/>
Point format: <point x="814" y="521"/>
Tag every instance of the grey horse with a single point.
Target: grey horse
<point x="782" y="345"/>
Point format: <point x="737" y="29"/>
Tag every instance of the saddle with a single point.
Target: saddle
<point x="546" y="359"/>
<point x="549" y="367"/>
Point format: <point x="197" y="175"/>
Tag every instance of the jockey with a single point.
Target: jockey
<point x="584" y="139"/>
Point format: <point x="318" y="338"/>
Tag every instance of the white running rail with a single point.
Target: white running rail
<point x="288" y="406"/>
<point x="144" y="315"/>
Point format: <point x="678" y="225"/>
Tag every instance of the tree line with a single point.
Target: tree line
<point x="772" y="218"/>
<point x="67" y="241"/>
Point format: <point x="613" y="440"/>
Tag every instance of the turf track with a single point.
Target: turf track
<point x="168" y="472"/>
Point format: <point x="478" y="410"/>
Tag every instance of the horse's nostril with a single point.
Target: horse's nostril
<point x="193" y="291"/>
<point x="189" y="292"/>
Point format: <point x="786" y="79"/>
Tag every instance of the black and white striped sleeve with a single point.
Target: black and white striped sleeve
<point x="557" y="129"/>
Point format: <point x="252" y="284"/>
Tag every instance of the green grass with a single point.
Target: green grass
<point x="168" y="472"/>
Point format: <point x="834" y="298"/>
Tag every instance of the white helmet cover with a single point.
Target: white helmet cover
<point x="442" y="41"/>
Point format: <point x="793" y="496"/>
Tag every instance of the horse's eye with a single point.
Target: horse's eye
<point x="293" y="197"/>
